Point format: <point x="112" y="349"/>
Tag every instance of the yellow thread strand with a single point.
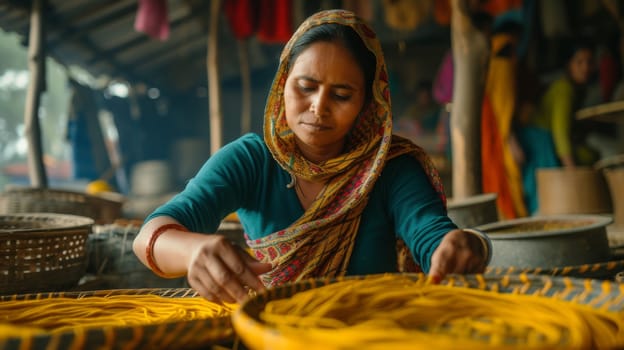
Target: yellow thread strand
<point x="26" y="318"/>
<point x="395" y="312"/>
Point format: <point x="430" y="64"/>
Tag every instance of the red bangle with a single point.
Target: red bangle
<point x="149" y="251"/>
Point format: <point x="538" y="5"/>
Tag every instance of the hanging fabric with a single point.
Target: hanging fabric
<point x="500" y="171"/>
<point x="242" y="16"/>
<point x="152" y="19"/>
<point x="442" y="12"/>
<point x="275" y="25"/>
<point x="496" y="7"/>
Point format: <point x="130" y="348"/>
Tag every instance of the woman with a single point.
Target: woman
<point x="563" y="97"/>
<point x="328" y="190"/>
<point x="554" y="138"/>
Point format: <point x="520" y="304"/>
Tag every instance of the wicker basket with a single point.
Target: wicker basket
<point x="42" y="251"/>
<point x="199" y="333"/>
<point x="256" y="334"/>
<point x="37" y="200"/>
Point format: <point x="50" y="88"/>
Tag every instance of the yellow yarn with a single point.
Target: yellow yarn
<point x="21" y="318"/>
<point x="395" y="312"/>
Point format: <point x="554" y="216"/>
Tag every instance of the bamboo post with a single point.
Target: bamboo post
<point x="36" y="67"/>
<point x="470" y="57"/>
<point x="243" y="53"/>
<point x="214" y="88"/>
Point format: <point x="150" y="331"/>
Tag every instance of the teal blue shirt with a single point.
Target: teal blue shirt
<point x="244" y="177"/>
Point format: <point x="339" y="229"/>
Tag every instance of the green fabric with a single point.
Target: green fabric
<point x="243" y="177"/>
<point x="555" y="114"/>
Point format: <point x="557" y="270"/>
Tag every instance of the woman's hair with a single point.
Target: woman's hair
<point x="575" y="45"/>
<point x="347" y="37"/>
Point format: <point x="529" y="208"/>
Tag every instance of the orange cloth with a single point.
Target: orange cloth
<point x="500" y="172"/>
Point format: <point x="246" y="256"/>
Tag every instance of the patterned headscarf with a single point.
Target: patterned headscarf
<point x="320" y="242"/>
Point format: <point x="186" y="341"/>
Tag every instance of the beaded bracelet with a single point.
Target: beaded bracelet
<point x="485" y="241"/>
<point x="149" y="251"/>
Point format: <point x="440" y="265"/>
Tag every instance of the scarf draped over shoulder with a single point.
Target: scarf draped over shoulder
<point x="320" y="242"/>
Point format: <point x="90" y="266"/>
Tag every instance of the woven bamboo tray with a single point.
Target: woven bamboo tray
<point x="45" y="200"/>
<point x="603" y="270"/>
<point x="42" y="251"/>
<point x="256" y="334"/>
<point x="199" y="333"/>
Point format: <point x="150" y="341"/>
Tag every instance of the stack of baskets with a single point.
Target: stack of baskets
<point x="42" y="252"/>
<point x="42" y="200"/>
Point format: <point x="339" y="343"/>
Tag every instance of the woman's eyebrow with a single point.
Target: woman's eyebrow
<point x="338" y="86"/>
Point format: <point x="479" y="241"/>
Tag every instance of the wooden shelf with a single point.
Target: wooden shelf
<point x="611" y="112"/>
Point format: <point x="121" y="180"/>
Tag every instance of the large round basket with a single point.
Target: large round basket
<point x="258" y="334"/>
<point x="42" y="251"/>
<point x="192" y="334"/>
<point x="44" y="200"/>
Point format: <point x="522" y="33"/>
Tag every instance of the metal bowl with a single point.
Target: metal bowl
<point x="474" y="210"/>
<point x="549" y="241"/>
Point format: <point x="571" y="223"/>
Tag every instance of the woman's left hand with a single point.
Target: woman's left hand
<point x="459" y="252"/>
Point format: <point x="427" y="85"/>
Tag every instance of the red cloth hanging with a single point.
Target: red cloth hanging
<point x="442" y="9"/>
<point x="152" y="19"/>
<point x="242" y="15"/>
<point x="275" y="21"/>
<point x="608" y="75"/>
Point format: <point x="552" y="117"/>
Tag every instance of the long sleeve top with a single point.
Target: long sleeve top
<point x="243" y="177"/>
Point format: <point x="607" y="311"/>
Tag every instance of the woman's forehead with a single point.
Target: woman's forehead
<point x="323" y="59"/>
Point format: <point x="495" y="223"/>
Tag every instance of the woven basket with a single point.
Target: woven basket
<point x="42" y="252"/>
<point x="602" y="270"/>
<point x="37" y="200"/>
<point x="200" y="333"/>
<point x="256" y="334"/>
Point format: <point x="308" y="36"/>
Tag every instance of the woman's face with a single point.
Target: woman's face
<point x="581" y="65"/>
<point x="323" y="96"/>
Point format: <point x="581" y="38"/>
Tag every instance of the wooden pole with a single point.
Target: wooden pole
<point x="470" y="58"/>
<point x="36" y="67"/>
<point x="214" y="88"/>
<point x="243" y="53"/>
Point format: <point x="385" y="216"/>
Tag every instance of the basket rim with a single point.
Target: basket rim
<point x="247" y="324"/>
<point x="79" y="222"/>
<point x="221" y="327"/>
<point x="107" y="197"/>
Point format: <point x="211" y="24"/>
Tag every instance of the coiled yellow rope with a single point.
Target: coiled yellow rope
<point x="27" y="317"/>
<point x="395" y="312"/>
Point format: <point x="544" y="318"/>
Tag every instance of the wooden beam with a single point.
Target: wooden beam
<point x="470" y="58"/>
<point x="214" y="86"/>
<point x="245" y="74"/>
<point x="73" y="32"/>
<point x="161" y="57"/>
<point x="138" y="41"/>
<point x="36" y="66"/>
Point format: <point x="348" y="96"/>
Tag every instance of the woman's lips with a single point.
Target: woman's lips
<point x="315" y="127"/>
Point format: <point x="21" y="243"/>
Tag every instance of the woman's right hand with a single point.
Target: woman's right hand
<point x="221" y="271"/>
